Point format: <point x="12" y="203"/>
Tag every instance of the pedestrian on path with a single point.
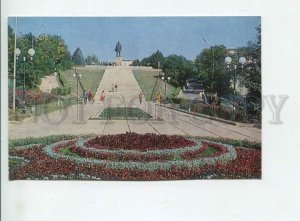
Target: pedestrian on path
<point x="90" y="95"/>
<point x="158" y="99"/>
<point x="116" y="87"/>
<point x="140" y="97"/>
<point x="85" y="96"/>
<point x="102" y="96"/>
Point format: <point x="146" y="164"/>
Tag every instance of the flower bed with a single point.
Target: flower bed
<point x="131" y="141"/>
<point x="73" y="159"/>
<point x="197" y="151"/>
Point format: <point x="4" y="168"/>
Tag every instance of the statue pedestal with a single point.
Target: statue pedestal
<point x="118" y="61"/>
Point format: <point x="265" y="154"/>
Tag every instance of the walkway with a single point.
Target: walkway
<point x="173" y="122"/>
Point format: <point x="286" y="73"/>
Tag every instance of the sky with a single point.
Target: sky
<point x="142" y="36"/>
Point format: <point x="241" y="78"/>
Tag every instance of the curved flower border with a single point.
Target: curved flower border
<point x="154" y="165"/>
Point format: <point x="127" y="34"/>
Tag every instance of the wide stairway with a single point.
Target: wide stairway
<point x="128" y="88"/>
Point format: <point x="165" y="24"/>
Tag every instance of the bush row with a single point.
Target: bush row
<point x="35" y="96"/>
<point x="208" y="109"/>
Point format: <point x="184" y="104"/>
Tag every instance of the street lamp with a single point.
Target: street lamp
<point x="165" y="79"/>
<point x="77" y="77"/>
<point x="241" y="61"/>
<point x="31" y="52"/>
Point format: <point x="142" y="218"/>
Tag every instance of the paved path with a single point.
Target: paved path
<point x="173" y="122"/>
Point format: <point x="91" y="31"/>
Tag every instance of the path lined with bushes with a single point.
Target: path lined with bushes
<point x="171" y="121"/>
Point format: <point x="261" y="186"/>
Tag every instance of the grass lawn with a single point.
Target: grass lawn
<point x="124" y="113"/>
<point x="90" y="80"/>
<point x="54" y="106"/>
<point x="149" y="84"/>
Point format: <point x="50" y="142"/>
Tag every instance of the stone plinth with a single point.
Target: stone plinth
<point x="118" y="61"/>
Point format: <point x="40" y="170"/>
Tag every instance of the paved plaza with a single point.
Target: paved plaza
<point x="165" y="121"/>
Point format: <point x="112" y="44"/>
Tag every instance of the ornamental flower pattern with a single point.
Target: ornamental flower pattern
<point x="135" y="162"/>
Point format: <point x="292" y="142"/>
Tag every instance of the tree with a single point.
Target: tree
<point x="78" y="58"/>
<point x="179" y="68"/>
<point x="212" y="71"/>
<point x="51" y="54"/>
<point x="11" y="47"/>
<point x="136" y="62"/>
<point x="154" y="60"/>
<point x="251" y="75"/>
<point x="92" y="60"/>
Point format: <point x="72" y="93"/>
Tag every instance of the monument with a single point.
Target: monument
<point x="118" y="49"/>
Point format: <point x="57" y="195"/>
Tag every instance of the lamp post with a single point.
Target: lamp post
<point x="241" y="61"/>
<point x="165" y="79"/>
<point x="31" y="52"/>
<point x="77" y="77"/>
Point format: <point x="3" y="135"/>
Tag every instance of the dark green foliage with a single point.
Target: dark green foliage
<point x="92" y="60"/>
<point x="179" y="69"/>
<point x="251" y="75"/>
<point x="11" y="45"/>
<point x="212" y="70"/>
<point x="78" y="58"/>
<point x="136" y="62"/>
<point x="175" y="100"/>
<point x="51" y="54"/>
<point x="154" y="60"/>
<point x="67" y="151"/>
<point x="63" y="91"/>
<point x="124" y="113"/>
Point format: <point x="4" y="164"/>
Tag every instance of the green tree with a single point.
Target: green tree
<point x="251" y="74"/>
<point x="11" y="47"/>
<point x="51" y="54"/>
<point x="179" y="68"/>
<point x="212" y="71"/>
<point x="78" y="58"/>
<point x="136" y="62"/>
<point x="92" y="60"/>
<point x="154" y="60"/>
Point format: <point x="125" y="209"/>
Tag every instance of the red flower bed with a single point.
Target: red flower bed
<point x="247" y="165"/>
<point x="133" y="141"/>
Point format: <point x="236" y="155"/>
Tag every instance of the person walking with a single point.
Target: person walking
<point x="158" y="98"/>
<point x="102" y="96"/>
<point x="90" y="95"/>
<point x="116" y="87"/>
<point x="85" y="96"/>
<point x="140" y="97"/>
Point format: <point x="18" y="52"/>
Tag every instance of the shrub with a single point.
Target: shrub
<point x="35" y="96"/>
<point x="212" y="110"/>
<point x="175" y="100"/>
<point x="63" y="91"/>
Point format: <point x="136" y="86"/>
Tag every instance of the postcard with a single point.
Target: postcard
<point x="134" y="98"/>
